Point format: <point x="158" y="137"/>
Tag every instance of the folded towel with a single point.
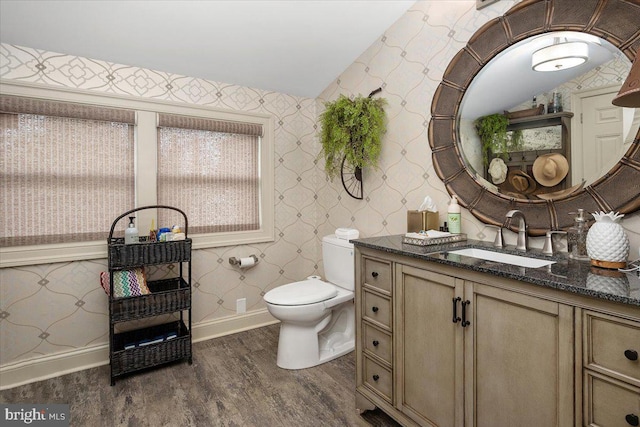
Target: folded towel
<point x="126" y="283"/>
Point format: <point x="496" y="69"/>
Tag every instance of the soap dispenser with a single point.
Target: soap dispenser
<point x="131" y="233"/>
<point x="453" y="216"/>
<point x="577" y="237"/>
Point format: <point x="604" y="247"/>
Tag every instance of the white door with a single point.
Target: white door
<point x="602" y="137"/>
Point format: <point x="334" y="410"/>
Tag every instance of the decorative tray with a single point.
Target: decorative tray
<point x="427" y="241"/>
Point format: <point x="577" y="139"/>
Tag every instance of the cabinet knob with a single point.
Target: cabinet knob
<point x="632" y="419"/>
<point x="374" y="309"/>
<point x="631" y="355"/>
<point x="375" y="343"/>
<point x="374" y="274"/>
<point x="376" y="378"/>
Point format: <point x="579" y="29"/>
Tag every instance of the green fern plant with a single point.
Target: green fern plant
<point x="492" y="130"/>
<point x="352" y="128"/>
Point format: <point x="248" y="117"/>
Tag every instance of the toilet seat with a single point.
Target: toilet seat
<point x="301" y="293"/>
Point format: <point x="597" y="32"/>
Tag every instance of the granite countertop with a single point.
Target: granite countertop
<point x="565" y="274"/>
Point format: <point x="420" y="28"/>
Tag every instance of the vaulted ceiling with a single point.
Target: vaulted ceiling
<point x="291" y="46"/>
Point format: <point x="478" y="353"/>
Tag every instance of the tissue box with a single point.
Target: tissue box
<point x="422" y="220"/>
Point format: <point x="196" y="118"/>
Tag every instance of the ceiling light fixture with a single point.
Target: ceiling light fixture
<point x="560" y="56"/>
<point x="629" y="95"/>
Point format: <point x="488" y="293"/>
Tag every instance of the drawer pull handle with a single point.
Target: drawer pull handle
<point x="465" y="322"/>
<point x="631" y="355"/>
<point x="374" y="309"/>
<point x="374" y="274"/>
<point x="376" y="378"/>
<point x="375" y="343"/>
<point x="456" y="319"/>
<point x="632" y="419"/>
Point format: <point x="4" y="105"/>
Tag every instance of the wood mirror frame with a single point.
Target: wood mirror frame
<point x="619" y="190"/>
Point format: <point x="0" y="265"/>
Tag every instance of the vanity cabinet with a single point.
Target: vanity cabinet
<point x="434" y="349"/>
<point x="465" y="349"/>
<point x="447" y="340"/>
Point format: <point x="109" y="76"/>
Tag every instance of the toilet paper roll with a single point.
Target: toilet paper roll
<point x="247" y="262"/>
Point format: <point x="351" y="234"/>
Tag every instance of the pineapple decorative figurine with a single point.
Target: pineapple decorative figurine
<point x="607" y="243"/>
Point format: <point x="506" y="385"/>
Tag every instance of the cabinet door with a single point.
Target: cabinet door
<point x="518" y="360"/>
<point x="429" y="359"/>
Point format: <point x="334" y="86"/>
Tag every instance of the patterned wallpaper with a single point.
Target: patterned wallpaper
<point x="51" y="308"/>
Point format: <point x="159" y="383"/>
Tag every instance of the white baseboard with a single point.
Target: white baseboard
<point x="232" y="324"/>
<point x="45" y="367"/>
<point x="42" y="368"/>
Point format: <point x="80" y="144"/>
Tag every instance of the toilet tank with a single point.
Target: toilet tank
<point x="338" y="258"/>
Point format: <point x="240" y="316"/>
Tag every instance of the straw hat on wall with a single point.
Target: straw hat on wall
<point x="550" y="169"/>
<point x="519" y="182"/>
<point x="498" y="170"/>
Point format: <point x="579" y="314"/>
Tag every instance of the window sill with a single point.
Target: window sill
<point x="64" y="252"/>
<point x="47" y="254"/>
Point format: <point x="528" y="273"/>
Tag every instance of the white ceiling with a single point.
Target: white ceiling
<point x="291" y="46"/>
<point x="508" y="80"/>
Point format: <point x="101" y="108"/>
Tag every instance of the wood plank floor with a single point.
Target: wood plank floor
<point x="234" y="381"/>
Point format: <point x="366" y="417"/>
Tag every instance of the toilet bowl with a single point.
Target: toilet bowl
<point x="317" y="317"/>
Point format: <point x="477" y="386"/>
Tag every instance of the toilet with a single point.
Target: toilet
<point x="318" y="317"/>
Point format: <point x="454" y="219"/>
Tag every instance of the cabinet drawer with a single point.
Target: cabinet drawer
<point x="376" y="342"/>
<point x="612" y="344"/>
<point x="378" y="378"/>
<point x="377" y="274"/>
<point x="610" y="402"/>
<point x="376" y="308"/>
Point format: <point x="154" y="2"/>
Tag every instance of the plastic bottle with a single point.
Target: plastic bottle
<point x="454" y="217"/>
<point x="577" y="237"/>
<point x="131" y="233"/>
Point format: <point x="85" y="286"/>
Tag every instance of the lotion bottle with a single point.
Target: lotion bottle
<point x="131" y="233"/>
<point x="454" y="217"/>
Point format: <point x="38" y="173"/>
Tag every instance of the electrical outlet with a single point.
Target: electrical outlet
<point x="241" y="305"/>
<point x="484" y="3"/>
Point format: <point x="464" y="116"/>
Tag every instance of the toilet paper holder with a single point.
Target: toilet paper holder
<point x="237" y="261"/>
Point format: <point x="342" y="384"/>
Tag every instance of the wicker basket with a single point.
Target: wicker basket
<point x="127" y="256"/>
<point x="134" y="359"/>
<point x="166" y="296"/>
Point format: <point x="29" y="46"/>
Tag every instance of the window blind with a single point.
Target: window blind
<point x="209" y="169"/>
<point x="67" y="170"/>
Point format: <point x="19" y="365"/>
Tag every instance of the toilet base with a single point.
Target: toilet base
<point x="303" y="346"/>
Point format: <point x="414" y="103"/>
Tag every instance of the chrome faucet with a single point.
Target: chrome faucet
<point x="498" y="242"/>
<point x="549" y="247"/>
<point x="523" y="240"/>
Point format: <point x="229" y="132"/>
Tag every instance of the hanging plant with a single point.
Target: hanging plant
<point x="352" y="128"/>
<point x="492" y="130"/>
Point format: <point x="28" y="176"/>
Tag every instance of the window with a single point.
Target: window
<point x="210" y="169"/>
<point x="217" y="166"/>
<point x="56" y="157"/>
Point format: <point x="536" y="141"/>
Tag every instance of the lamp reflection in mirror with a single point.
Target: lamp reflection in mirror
<point x="560" y="56"/>
<point x="629" y="95"/>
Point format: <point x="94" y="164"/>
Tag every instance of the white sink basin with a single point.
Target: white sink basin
<point x="521" y="261"/>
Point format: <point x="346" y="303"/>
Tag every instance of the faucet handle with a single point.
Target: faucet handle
<point x="548" y="248"/>
<point x="499" y="240"/>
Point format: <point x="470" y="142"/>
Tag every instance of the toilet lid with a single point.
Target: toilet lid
<point x="300" y="293"/>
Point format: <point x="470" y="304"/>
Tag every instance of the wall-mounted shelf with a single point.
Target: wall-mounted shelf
<point x="523" y="160"/>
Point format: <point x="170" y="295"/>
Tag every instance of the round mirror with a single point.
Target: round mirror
<point x="534" y="103"/>
<point x="550" y="160"/>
